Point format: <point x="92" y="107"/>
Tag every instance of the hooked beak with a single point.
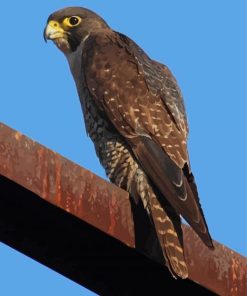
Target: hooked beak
<point x="53" y="31"/>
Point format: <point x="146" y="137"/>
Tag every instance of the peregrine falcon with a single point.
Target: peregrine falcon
<point x="134" y="114"/>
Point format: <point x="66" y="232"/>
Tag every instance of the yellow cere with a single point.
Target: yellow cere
<point x="55" y="25"/>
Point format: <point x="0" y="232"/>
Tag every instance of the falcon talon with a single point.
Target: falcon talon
<point x="135" y="115"/>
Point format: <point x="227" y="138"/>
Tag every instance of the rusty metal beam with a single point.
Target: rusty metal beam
<point x="81" y="226"/>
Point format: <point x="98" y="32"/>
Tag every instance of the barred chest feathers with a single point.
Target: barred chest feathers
<point x="111" y="148"/>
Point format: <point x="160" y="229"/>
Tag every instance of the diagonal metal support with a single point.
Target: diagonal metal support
<point x="76" y="223"/>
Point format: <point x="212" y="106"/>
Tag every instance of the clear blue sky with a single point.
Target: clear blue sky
<point x="203" y="42"/>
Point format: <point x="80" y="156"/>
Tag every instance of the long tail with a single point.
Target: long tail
<point x="165" y="220"/>
<point x="170" y="238"/>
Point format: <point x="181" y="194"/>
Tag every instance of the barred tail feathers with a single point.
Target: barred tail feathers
<point x="166" y="222"/>
<point x="168" y="237"/>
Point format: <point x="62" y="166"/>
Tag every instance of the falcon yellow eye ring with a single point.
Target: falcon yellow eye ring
<point x="72" y="21"/>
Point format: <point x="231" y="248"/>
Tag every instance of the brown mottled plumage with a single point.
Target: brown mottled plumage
<point x="134" y="114"/>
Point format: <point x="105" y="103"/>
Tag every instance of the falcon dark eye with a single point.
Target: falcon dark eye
<point x="74" y="21"/>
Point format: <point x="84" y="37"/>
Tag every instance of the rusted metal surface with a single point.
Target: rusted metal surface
<point x="106" y="207"/>
<point x="222" y="270"/>
<point x="65" y="184"/>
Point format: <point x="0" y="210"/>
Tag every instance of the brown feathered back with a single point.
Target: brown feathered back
<point x="135" y="115"/>
<point x="143" y="102"/>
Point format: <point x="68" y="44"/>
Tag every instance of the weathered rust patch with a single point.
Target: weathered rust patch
<point x="65" y="184"/>
<point x="105" y="206"/>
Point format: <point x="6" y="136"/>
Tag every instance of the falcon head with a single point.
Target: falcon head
<point x="69" y="26"/>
